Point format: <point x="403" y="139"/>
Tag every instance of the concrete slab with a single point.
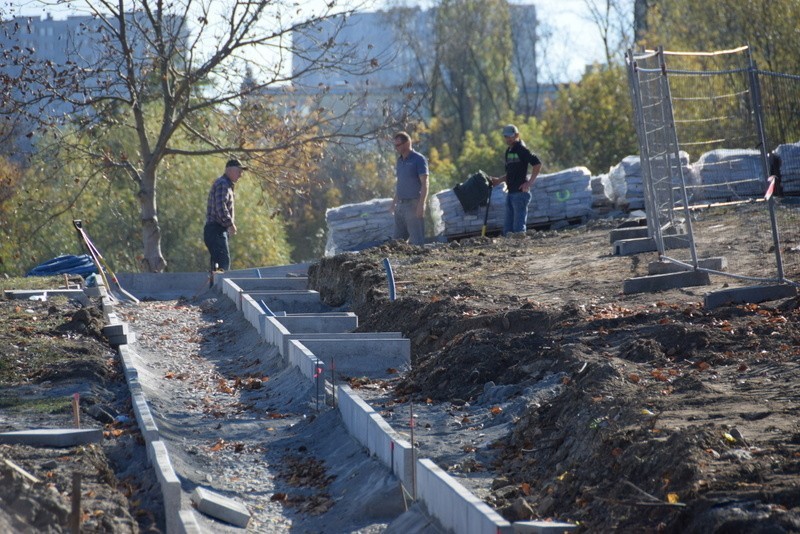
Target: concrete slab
<point x="273" y="283"/>
<point x="662" y="282"/>
<point x="53" y="437"/>
<point x="39" y="294"/>
<point x="220" y="507"/>
<point x="749" y="295"/>
<point x="310" y="323"/>
<point x="718" y="263"/>
<point x="620" y="234"/>
<point x="163" y="285"/>
<point x="628" y="247"/>
<point x="283" y="341"/>
<point x="361" y="357"/>
<point x="291" y="302"/>
<point x="294" y="269"/>
<point x="543" y="527"/>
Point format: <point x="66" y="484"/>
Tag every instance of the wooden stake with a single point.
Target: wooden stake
<point x="75" y="515"/>
<point x="76" y="409"/>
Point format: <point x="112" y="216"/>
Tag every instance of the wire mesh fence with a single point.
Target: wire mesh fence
<point x="712" y="130"/>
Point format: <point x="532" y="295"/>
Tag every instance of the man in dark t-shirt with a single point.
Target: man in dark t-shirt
<point x="518" y="182"/>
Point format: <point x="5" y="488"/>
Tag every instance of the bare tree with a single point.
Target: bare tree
<point x="614" y="21"/>
<point x="199" y="62"/>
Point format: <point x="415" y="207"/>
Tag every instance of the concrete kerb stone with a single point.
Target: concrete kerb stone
<point x="661" y="282"/>
<point x="53" y="437"/>
<point x="749" y="295"/>
<point x="168" y="481"/>
<point x="272" y="330"/>
<point x="620" y="234"/>
<point x="187" y="523"/>
<point x="316" y="323"/>
<point x="373" y="432"/>
<point x="454" y="505"/>
<point x="221" y="507"/>
<point x="163" y="285"/>
<point x="248" y="285"/>
<point x="305" y="360"/>
<point x="291" y="302"/>
<point x="717" y="263"/>
<point x="369" y="357"/>
<point x="147" y="424"/>
<point x="156" y="452"/>
<point x="355" y="337"/>
<point x="252" y="311"/>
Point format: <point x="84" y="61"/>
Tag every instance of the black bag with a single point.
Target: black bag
<point x="474" y="192"/>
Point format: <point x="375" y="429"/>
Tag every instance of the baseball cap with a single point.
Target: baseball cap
<point x="235" y="163"/>
<point x="510" y="130"/>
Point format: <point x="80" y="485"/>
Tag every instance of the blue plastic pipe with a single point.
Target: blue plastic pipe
<point x="389" y="278"/>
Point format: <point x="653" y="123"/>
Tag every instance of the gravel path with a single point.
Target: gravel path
<point x="236" y="421"/>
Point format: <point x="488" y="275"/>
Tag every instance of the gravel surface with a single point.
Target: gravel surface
<point x="238" y="422"/>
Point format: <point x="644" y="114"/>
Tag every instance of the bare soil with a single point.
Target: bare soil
<point x="669" y="417"/>
<point x="50" y="351"/>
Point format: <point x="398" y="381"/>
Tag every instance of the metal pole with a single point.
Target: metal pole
<point x="755" y="96"/>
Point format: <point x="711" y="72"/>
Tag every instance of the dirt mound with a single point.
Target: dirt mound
<point x="668" y="416"/>
<point x="50" y="351"/>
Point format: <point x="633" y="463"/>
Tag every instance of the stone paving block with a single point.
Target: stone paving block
<point x="53" y="437"/>
<point x="220" y="507"/>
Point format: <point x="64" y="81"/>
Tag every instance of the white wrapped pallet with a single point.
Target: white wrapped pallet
<point x="356" y="226"/>
<point x="601" y="188"/>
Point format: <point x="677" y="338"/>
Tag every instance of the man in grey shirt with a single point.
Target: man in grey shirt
<point x="411" y="192"/>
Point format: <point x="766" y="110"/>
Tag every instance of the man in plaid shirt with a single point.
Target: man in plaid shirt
<point x="220" y="216"/>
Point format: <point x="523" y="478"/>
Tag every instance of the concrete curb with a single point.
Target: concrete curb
<point x="178" y="521"/>
<point x="444" y="497"/>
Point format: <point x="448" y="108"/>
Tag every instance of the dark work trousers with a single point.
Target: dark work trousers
<point x="216" y="239"/>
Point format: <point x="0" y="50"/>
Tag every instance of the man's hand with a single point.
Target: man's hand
<point x="420" y="208"/>
<point x="232" y="229"/>
<point x="495" y="180"/>
<point x="526" y="186"/>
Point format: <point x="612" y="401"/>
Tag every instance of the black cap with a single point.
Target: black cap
<point x="235" y="163"/>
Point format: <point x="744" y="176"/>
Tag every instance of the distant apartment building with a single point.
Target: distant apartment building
<point x="401" y="68"/>
<point x="79" y="41"/>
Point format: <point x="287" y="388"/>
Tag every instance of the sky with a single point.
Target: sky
<point x="575" y="42"/>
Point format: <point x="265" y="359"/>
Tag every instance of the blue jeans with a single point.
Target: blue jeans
<point x="215" y="237"/>
<point x="516" y="212"/>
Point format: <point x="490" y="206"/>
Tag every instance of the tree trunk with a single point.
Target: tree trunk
<point x="153" y="261"/>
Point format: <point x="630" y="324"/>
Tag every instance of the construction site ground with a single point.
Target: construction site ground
<point x="534" y="381"/>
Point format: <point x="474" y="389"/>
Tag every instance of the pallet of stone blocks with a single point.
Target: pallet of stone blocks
<point x="727" y="175"/>
<point x="450" y="219"/>
<point x="561" y="196"/>
<point x="626" y="182"/>
<point x="789" y="155"/>
<point x="356" y="226"/>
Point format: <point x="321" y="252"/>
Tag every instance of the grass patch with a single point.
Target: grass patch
<point x="46" y="405"/>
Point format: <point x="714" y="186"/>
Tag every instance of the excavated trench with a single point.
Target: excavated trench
<point x="625" y="440"/>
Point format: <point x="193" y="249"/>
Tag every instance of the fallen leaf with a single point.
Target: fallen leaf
<point x="525" y="488"/>
<point x="672" y="498"/>
<point x="633" y="377"/>
<point x="496" y="410"/>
